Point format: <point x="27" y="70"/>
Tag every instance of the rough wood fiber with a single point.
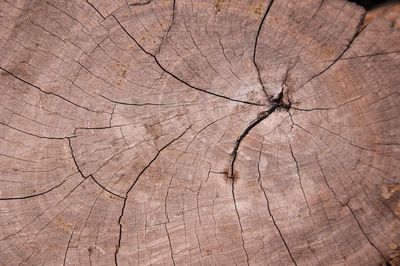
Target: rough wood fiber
<point x="198" y="132"/>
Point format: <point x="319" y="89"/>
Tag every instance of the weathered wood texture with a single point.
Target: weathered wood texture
<point x="198" y="132"/>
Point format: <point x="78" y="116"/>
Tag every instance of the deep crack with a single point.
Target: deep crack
<point x="131" y="187"/>
<point x="281" y="101"/>
<point x="176" y="77"/>
<point x="240" y="223"/>
<point x="360" y="27"/>
<point x="270" y="212"/>
<point x="255" y="46"/>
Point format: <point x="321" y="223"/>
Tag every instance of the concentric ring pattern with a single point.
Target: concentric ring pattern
<point x="198" y="132"/>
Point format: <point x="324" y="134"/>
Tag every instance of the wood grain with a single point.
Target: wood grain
<point x="216" y="132"/>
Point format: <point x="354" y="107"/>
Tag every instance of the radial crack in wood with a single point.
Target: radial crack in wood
<point x="212" y="132"/>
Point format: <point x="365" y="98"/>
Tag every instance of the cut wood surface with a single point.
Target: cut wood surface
<point x="198" y="133"/>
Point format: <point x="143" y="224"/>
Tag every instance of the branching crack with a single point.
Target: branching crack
<point x="91" y="176"/>
<point x="34" y="135"/>
<point x="366" y="235"/>
<point x="104" y="188"/>
<point x="327" y="108"/>
<point x="74" y="159"/>
<point x="169" y="27"/>
<point x="300" y="179"/>
<point x="347" y="205"/>
<point x="280" y="101"/>
<point x="131" y="187"/>
<point x="240" y="222"/>
<point x="270" y="212"/>
<point x="175" y="104"/>
<point x="98" y="12"/>
<point x="359" y="29"/>
<point x="327" y="183"/>
<point x="176" y="77"/>
<point x="255" y="45"/>
<point x="46" y="92"/>
<point x="37" y="194"/>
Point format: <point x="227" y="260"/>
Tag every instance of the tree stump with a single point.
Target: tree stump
<point x="198" y="132"/>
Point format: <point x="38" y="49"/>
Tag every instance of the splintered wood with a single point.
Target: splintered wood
<point x="216" y="132"/>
